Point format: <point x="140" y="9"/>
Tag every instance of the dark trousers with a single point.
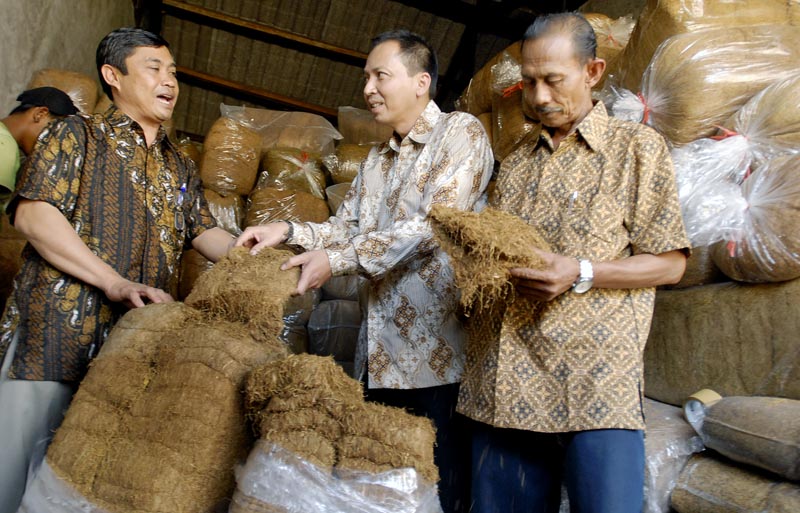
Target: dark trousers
<point x="521" y="471"/>
<point x="452" y="451"/>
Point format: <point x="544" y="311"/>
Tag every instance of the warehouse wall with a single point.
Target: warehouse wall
<point x="62" y="34"/>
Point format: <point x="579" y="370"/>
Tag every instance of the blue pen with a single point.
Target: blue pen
<point x="181" y="193"/>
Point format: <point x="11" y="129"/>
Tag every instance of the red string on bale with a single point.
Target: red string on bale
<point x="508" y="91"/>
<point x="646" y="115"/>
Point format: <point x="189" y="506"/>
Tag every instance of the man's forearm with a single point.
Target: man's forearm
<point x="214" y="243"/>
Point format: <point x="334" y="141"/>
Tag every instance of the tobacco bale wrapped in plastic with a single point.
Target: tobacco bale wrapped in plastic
<point x="250" y="289"/>
<point x="709" y="484"/>
<point x="343" y="166"/>
<point x="477" y="97"/>
<point x="290" y="169"/>
<point x="770" y="120"/>
<point x="759" y="431"/>
<point x="10" y="264"/>
<point x="158" y="420"/>
<point x="193" y="264"/>
<point x="767" y="247"/>
<point x="192" y="150"/>
<point x="612" y="34"/>
<point x="700" y="270"/>
<point x="509" y="124"/>
<point x="102" y="104"/>
<point x="280" y="129"/>
<point x="697" y="81"/>
<point x="358" y="126"/>
<point x="230" y="160"/>
<point x="268" y="204"/>
<point x="662" y="19"/>
<point x="333" y="329"/>
<point x="82" y="89"/>
<point x="228" y="211"/>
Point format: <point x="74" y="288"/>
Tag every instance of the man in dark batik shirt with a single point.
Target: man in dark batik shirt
<point x="107" y="204"/>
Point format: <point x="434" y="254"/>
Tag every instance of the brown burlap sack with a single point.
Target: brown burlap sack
<point x="483" y="247"/>
<point x="159" y="420"/>
<point x="292" y="170"/>
<point x="735" y="338"/>
<point x="771" y="119"/>
<point x="268" y="204"/>
<point x="662" y="19"/>
<point x="230" y="157"/>
<point x="82" y="89"/>
<point x="694" y="82"/>
<point x="193" y="264"/>
<point x="477" y="97"/>
<point x="343" y="165"/>
<point x="250" y="289"/>
<point x="358" y="126"/>
<point x="759" y="431"/>
<point x="228" y="211"/>
<point x="710" y="485"/>
<point x="767" y="249"/>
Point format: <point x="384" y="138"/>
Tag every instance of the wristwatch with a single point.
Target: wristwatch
<point x="585" y="279"/>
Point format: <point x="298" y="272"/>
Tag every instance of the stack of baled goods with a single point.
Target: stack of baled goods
<point x="494" y="94"/>
<point x="753" y="461"/>
<point x="82" y="89"/>
<point x="662" y="19"/>
<point x="11" y="244"/>
<point x="158" y="423"/>
<point x="322" y="448"/>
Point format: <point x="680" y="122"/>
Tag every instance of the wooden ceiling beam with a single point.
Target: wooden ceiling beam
<point x="261" y="31"/>
<point x="250" y="93"/>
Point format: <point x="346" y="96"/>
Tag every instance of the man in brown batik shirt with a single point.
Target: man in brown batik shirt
<point x="107" y="204"/>
<point x="558" y="392"/>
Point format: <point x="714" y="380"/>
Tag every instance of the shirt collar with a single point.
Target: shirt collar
<point x="121" y="122"/>
<point x="421" y="131"/>
<point x="592" y="129"/>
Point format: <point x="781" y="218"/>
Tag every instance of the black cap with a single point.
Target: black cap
<point x="57" y="101"/>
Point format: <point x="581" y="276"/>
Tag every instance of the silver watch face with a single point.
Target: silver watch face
<point x="582" y="286"/>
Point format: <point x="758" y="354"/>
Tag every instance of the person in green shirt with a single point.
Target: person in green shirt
<point x="20" y="129"/>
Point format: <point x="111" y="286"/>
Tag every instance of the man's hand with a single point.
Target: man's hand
<point x="264" y="236"/>
<point x="133" y="295"/>
<point x="316" y="269"/>
<point x="558" y="275"/>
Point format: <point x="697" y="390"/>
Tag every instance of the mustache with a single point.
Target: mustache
<point x="547" y="110"/>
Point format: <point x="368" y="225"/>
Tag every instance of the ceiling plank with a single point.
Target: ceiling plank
<point x="255" y="94"/>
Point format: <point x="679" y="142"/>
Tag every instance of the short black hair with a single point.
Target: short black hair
<point x="119" y="44"/>
<point x="569" y="23"/>
<point x="415" y="51"/>
<point x="58" y="102"/>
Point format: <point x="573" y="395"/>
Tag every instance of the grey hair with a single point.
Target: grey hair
<point x="568" y="23"/>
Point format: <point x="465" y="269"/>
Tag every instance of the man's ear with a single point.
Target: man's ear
<point x="40" y="114"/>
<point x="423" y="84"/>
<point x="595" y="69"/>
<point x="110" y="75"/>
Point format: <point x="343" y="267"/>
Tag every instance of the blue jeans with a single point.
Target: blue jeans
<point x="518" y="471"/>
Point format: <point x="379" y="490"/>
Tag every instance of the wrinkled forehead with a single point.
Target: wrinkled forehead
<point x="549" y="53"/>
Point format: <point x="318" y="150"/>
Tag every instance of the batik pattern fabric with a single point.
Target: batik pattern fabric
<point x="575" y="363"/>
<point x="413" y="336"/>
<point x="136" y="207"/>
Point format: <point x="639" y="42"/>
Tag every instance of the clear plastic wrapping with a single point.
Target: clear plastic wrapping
<point x="333" y="329"/>
<point x="767" y="247"/>
<point x="82" y="89"/>
<point x="279" y="481"/>
<point x="48" y="493"/>
<point x="228" y="211"/>
<point x="230" y="161"/>
<point x="696" y="81"/>
<point x="191" y="149"/>
<point x="278" y="129"/>
<point x="477" y="97"/>
<point x="344" y="165"/>
<point x="358" y="126"/>
<point x="612" y="34"/>
<point x="770" y="120"/>
<point x="662" y="19"/>
<point x="509" y="124"/>
<point x="335" y="195"/>
<point x="268" y="204"/>
<point x="293" y="170"/>
<point x="707" y="175"/>
<point x="669" y="443"/>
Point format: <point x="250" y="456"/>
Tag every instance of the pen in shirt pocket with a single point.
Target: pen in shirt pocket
<point x="181" y="194"/>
